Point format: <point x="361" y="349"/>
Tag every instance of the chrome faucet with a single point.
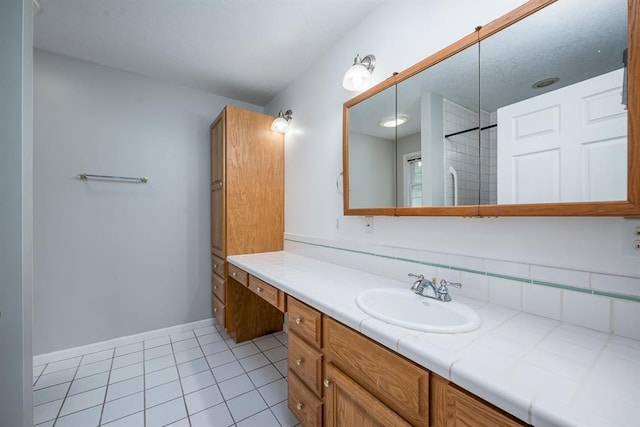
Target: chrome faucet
<point x="421" y="284"/>
<point x="440" y="293"/>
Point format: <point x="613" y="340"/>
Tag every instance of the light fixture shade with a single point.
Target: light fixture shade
<point x="358" y="76"/>
<point x="281" y="123"/>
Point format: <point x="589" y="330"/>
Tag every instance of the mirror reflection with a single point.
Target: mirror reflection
<point x="372" y="148"/>
<point x="532" y="114"/>
<point x="441" y="104"/>
<point x="553" y="84"/>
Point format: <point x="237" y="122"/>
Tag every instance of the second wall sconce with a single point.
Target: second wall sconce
<point x="358" y="76"/>
<point x="281" y="123"/>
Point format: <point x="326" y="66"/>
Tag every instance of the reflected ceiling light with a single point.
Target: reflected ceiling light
<point x="545" y="82"/>
<point x="358" y="76"/>
<point x="281" y="123"/>
<point x="392" y="122"/>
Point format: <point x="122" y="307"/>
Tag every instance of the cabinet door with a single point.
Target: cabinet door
<point x="217" y="187"/>
<point x="349" y="405"/>
<point x="452" y="407"/>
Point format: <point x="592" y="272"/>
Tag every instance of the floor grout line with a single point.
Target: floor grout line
<point x="106" y="390"/>
<point x="184" y="398"/>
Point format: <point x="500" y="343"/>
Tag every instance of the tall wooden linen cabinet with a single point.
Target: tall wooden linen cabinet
<point x="247" y="215"/>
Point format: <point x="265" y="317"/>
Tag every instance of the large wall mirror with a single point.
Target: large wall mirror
<point x="533" y="114"/>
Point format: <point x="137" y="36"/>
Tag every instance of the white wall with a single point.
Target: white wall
<point x="16" y="226"/>
<point x="591" y="244"/>
<point x="372" y="183"/>
<point x="112" y="258"/>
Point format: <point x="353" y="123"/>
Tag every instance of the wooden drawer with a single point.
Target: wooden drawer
<point x="217" y="265"/>
<point x="272" y="295"/>
<point x="397" y="382"/>
<point x="305" y="321"/>
<point x="238" y="274"/>
<point x="218" y="308"/>
<point x="217" y="287"/>
<point x="303" y="403"/>
<point x="306" y="362"/>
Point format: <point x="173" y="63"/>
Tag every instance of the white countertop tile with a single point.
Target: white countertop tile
<point x="541" y="370"/>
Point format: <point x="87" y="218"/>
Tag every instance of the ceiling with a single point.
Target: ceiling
<point x="247" y="50"/>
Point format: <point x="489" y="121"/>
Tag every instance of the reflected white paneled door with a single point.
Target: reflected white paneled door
<point x="567" y="145"/>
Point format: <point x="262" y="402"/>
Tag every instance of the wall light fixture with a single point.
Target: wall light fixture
<point x="358" y="76"/>
<point x="282" y="122"/>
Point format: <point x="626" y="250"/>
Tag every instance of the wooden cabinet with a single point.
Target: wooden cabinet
<point x="303" y="403"/>
<point x="305" y="362"/>
<point x="452" y="406"/>
<point x="349" y="404"/>
<point x="247" y="195"/>
<point x="397" y="384"/>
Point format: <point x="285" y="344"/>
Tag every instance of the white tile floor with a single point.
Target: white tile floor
<point x="195" y="378"/>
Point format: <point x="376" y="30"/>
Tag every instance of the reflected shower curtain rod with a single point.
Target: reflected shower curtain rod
<point x="471" y="130"/>
<point x="85" y="176"/>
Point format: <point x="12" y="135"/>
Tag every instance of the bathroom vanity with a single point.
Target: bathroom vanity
<point x="346" y="368"/>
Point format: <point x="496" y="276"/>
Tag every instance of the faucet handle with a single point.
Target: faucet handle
<point x="417" y="276"/>
<point x="444" y="283"/>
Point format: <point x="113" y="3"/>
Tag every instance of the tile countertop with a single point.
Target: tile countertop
<point x="543" y="371"/>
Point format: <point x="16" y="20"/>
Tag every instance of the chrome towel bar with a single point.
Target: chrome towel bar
<point x="85" y="176"/>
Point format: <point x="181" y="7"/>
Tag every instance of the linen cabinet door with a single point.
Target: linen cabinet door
<point x="217" y="187"/>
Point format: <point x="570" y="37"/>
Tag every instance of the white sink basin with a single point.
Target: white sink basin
<point x="402" y="307"/>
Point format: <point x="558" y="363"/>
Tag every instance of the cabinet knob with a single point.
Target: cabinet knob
<point x="298" y="320"/>
<point x="299" y="361"/>
<point x="215" y="286"/>
<point x="299" y="406"/>
<point x="326" y="383"/>
<point x="215" y="265"/>
<point x="258" y="289"/>
<point x="233" y="274"/>
<point x="215" y="310"/>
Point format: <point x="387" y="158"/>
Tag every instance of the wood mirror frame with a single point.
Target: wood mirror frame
<point x="628" y="208"/>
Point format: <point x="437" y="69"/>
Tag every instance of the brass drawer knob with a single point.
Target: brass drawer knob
<point x="326" y="383"/>
<point x="215" y="310"/>
<point x="215" y="265"/>
<point x="233" y="274"/>
<point x="299" y="361"/>
<point x="298" y="320"/>
<point x="215" y="286"/>
<point x="258" y="289"/>
<point x="299" y="406"/>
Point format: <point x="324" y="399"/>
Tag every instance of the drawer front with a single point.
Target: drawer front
<point x="238" y="274"/>
<point x="306" y="362"/>
<point x="267" y="292"/>
<point x="217" y="265"/>
<point x="303" y="403"/>
<point x="218" y="310"/>
<point x="398" y="383"/>
<point x="305" y="321"/>
<point x="217" y="287"/>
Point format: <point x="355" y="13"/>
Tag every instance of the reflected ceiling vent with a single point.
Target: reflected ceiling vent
<point x="545" y="82"/>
